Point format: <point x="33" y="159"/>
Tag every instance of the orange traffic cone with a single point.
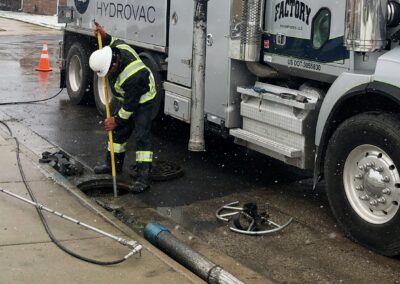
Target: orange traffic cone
<point x="44" y="65"/>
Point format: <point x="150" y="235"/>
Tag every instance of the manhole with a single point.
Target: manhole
<point x="162" y="171"/>
<point x="103" y="187"/>
<point x="2" y="30"/>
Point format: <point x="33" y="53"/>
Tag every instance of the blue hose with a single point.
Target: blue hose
<point x="162" y="238"/>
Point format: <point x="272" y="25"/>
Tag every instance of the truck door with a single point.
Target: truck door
<point x="180" y="42"/>
<point x="307" y="29"/>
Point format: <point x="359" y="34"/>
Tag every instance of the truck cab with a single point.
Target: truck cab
<point x="306" y="39"/>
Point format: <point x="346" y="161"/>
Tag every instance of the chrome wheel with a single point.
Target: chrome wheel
<point x="78" y="76"/>
<point x="372" y="184"/>
<point x="102" y="94"/>
<point x="75" y="73"/>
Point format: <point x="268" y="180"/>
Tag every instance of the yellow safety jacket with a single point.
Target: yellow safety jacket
<point x="130" y="70"/>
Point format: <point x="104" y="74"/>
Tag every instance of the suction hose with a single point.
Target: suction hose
<point x="162" y="238"/>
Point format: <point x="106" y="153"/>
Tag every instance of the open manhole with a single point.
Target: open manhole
<point x="162" y="171"/>
<point x="103" y="187"/>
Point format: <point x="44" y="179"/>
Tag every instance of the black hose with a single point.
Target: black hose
<point x="32" y="195"/>
<point x="31" y="102"/>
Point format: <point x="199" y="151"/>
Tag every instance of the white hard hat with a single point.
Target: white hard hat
<point x="100" y="61"/>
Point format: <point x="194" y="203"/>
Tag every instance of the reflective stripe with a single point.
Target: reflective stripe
<point x="112" y="40"/>
<point x="124" y="47"/>
<point x="129" y="71"/>
<point x="144" y="156"/>
<point x="118" y="89"/>
<point x="152" y="90"/>
<point x="118" y="148"/>
<point x="129" y="49"/>
<point x="124" y="114"/>
<point x="146" y="97"/>
<point x="119" y="98"/>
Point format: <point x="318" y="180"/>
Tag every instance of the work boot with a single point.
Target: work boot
<point x="106" y="167"/>
<point x="142" y="182"/>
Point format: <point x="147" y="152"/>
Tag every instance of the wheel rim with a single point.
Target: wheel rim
<point x="75" y="73"/>
<point x="372" y="184"/>
<point x="102" y="94"/>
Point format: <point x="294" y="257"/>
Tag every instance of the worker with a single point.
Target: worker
<point x="132" y="83"/>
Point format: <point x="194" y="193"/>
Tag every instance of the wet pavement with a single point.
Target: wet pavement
<point x="311" y="249"/>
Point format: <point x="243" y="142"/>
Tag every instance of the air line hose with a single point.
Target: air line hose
<point x="32" y="195"/>
<point x="31" y="102"/>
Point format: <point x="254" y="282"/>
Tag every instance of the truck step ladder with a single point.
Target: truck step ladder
<point x="266" y="143"/>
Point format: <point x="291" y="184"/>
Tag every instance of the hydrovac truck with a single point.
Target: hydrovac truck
<point x="313" y="83"/>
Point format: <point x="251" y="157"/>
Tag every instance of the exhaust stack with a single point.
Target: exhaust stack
<point x="366" y="22"/>
<point x="196" y="142"/>
<point x="245" y="34"/>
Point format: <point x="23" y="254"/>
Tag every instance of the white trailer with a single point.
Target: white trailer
<point x="313" y="83"/>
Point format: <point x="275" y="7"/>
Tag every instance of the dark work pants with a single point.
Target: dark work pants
<point x="140" y="124"/>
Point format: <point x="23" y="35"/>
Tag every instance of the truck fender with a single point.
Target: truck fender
<point x="346" y="85"/>
<point x="332" y="102"/>
<point x="349" y="85"/>
<point x="388" y="68"/>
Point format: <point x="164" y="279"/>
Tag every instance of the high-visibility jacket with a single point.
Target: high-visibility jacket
<point x="133" y="84"/>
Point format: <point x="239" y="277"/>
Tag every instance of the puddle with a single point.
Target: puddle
<point x="28" y="62"/>
<point x="43" y="82"/>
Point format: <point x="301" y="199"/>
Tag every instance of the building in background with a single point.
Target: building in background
<point x="42" y="7"/>
<point x="10" y="5"/>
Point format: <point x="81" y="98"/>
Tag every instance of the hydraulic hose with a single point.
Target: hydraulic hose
<point x="31" y="102"/>
<point x="32" y="195"/>
<point x="43" y="219"/>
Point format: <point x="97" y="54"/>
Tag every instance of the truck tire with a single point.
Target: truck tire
<point x="363" y="183"/>
<point x="78" y="75"/>
<point x="99" y="96"/>
<point x="150" y="62"/>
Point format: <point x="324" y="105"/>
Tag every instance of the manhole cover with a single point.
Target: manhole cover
<point x="162" y="171"/>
